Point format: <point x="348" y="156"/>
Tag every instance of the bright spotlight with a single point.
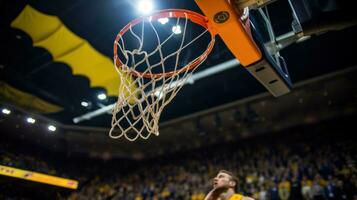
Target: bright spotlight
<point x="51" y="128"/>
<point x="176" y="29"/>
<point x="6" y="111"/>
<point x="102" y="96"/>
<point x="84" y="104"/>
<point x="163" y="20"/>
<point x="145" y="6"/>
<point x="159" y="94"/>
<point x="30" y="120"/>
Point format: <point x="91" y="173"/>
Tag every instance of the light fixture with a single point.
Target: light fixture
<point x="102" y="96"/>
<point x="145" y="6"/>
<point x="84" y="104"/>
<point x="51" y="128"/>
<point x="163" y="20"/>
<point x="30" y="120"/>
<point x="176" y="29"/>
<point x="6" y="111"/>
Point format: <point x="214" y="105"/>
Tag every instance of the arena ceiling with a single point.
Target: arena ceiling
<point x="39" y="80"/>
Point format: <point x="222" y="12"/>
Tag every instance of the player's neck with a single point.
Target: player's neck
<point x="226" y="195"/>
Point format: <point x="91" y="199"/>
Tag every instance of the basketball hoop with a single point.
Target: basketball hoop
<point x="156" y="75"/>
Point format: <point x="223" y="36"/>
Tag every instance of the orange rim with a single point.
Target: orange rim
<point x="169" y="13"/>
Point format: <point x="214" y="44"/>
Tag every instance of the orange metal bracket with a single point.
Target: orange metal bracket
<point x="231" y="29"/>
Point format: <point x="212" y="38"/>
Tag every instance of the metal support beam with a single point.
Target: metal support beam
<point x="252" y="4"/>
<point x="283" y="41"/>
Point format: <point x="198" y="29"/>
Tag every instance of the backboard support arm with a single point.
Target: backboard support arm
<point x="245" y="44"/>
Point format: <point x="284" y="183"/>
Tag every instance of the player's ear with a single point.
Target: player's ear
<point x="232" y="183"/>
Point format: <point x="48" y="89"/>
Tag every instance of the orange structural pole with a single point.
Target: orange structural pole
<point x="230" y="28"/>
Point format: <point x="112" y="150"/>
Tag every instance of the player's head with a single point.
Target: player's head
<point x="225" y="179"/>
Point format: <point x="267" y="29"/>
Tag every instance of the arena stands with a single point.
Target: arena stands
<point x="309" y="162"/>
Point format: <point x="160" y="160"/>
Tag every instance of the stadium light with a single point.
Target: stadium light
<point x="6" y="111"/>
<point x="84" y="104"/>
<point x="30" y="120"/>
<point x="176" y="29"/>
<point x="102" y="96"/>
<point x="145" y="6"/>
<point x="52" y="128"/>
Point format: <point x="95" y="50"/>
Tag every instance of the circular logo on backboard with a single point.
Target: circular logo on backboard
<point x="221" y="17"/>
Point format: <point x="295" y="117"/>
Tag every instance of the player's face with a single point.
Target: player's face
<point x="222" y="180"/>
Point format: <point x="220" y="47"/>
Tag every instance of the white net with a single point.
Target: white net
<point x="152" y="76"/>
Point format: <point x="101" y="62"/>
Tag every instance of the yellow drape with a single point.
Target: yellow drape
<point x="50" y="33"/>
<point x="25" y="100"/>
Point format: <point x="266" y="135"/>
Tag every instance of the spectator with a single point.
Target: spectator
<point x="296" y="192"/>
<point x="306" y="189"/>
<point x="284" y="189"/>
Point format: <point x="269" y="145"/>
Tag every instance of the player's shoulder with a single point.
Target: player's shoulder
<point x="240" y="197"/>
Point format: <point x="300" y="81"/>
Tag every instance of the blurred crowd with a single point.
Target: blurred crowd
<point x="286" y="169"/>
<point x="295" y="166"/>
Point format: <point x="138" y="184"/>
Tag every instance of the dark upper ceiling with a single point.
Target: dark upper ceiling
<point x="31" y="69"/>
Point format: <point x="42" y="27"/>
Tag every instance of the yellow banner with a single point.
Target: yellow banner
<point x="38" y="177"/>
<point x="49" y="32"/>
